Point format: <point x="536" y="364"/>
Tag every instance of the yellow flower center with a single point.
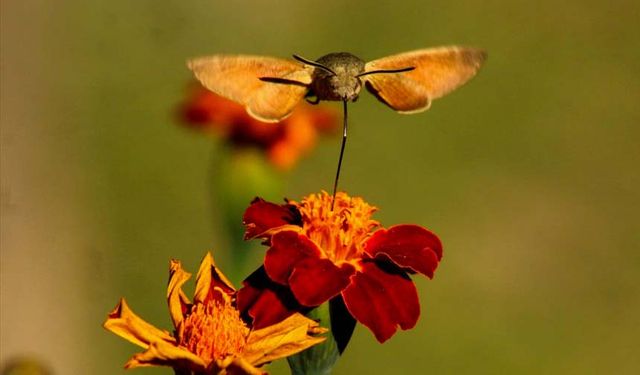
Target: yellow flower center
<point x="214" y="330"/>
<point x="340" y="232"/>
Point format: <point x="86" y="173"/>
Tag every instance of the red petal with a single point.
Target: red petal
<point x="315" y="280"/>
<point x="287" y="249"/>
<point x="408" y="246"/>
<point x="382" y="300"/>
<point x="261" y="216"/>
<point x="265" y="302"/>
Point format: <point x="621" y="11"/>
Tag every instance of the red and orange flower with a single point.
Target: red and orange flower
<point x="283" y="142"/>
<point x="318" y="252"/>
<point x="209" y="335"/>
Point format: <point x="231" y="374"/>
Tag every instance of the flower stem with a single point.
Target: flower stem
<point x="238" y="176"/>
<point x="320" y="359"/>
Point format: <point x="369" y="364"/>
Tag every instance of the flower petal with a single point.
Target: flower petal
<point x="288" y="337"/>
<point x="161" y="353"/>
<point x="314" y="280"/>
<point x="124" y="323"/>
<point x="287" y="249"/>
<point x="382" y="300"/>
<point x="239" y="366"/>
<point x="262" y="216"/>
<point x="211" y="283"/>
<point x="409" y="246"/>
<point x="177" y="299"/>
<point x="264" y="301"/>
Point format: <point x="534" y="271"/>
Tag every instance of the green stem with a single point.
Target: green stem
<point x="238" y="176"/>
<point x="320" y="359"/>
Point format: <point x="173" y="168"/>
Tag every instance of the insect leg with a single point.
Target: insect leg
<point x="312" y="100"/>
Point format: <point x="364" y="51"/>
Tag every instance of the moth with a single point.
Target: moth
<point x="270" y="88"/>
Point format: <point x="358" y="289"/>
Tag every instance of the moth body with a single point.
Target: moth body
<point x="270" y="88"/>
<point x="345" y="85"/>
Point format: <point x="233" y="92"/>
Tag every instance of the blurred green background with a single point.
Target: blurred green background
<point x="529" y="174"/>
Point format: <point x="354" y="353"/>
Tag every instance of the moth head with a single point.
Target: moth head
<point x="338" y="76"/>
<point x="335" y="76"/>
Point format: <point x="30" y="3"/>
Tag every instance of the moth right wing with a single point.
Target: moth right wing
<point x="437" y="72"/>
<point x="239" y="78"/>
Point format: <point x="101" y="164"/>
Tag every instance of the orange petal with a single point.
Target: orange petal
<point x="124" y="323"/>
<point x="161" y="353"/>
<point x="283" y="155"/>
<point x="177" y="299"/>
<point x="210" y="279"/>
<point x="235" y="366"/>
<point x="301" y="134"/>
<point x="288" y="337"/>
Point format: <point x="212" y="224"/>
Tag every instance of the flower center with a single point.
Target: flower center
<point x="214" y="330"/>
<point x="340" y="232"/>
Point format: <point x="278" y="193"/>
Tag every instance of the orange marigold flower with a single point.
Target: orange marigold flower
<point x="283" y="143"/>
<point x="209" y="336"/>
<point x="318" y="253"/>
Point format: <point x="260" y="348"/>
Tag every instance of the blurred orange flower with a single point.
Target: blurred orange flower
<point x="283" y="142"/>
<point x="209" y="336"/>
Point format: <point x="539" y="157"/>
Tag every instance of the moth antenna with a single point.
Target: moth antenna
<point x="314" y="63"/>
<point x="344" y="142"/>
<point x="385" y="71"/>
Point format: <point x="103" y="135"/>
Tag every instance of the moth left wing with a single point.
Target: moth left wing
<point x="438" y="71"/>
<point x="241" y="78"/>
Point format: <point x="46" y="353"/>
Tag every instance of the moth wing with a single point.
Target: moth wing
<point x="438" y="71"/>
<point x="237" y="77"/>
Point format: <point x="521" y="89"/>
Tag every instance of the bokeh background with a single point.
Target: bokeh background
<point x="530" y="174"/>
